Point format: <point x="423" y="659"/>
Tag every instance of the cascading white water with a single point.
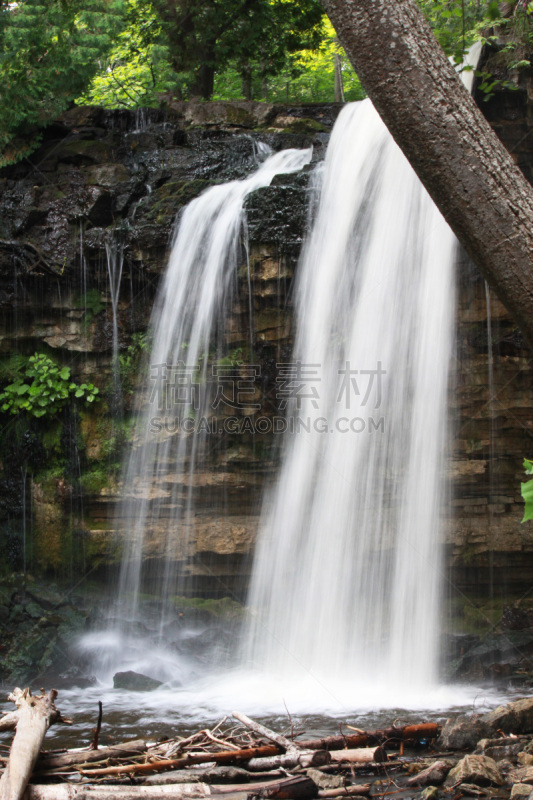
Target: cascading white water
<point x="346" y="574"/>
<point x="189" y="313"/>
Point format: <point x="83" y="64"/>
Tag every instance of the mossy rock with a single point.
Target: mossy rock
<point x="208" y="608"/>
<point x="165" y="202"/>
<point x="84" y="151"/>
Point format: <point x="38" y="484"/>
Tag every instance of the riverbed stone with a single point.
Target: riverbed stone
<point x="520" y="790"/>
<point x="479" y="770"/>
<point x="516" y="717"/>
<point x="430" y="793"/>
<point x="324" y="781"/>
<point x="463" y="732"/>
<point x="500" y="749"/>
<point x="135" y="681"/>
<point x="521" y="775"/>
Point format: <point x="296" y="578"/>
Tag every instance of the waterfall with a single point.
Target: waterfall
<point x="187" y="324"/>
<point x="347" y="571"/>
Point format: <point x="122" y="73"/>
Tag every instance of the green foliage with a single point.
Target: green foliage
<point x="130" y="360"/>
<point x="527" y="491"/>
<point x="138" y="67"/>
<point x="42" y="387"/>
<point x="456" y="24"/>
<point x="307" y="77"/>
<point x="91" y="302"/>
<point x="49" y="51"/>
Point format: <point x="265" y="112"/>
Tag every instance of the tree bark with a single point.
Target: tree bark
<point x="35" y="715"/>
<point x="50" y="761"/>
<point x="361" y="755"/>
<point x="467" y="171"/>
<point x="294" y="787"/>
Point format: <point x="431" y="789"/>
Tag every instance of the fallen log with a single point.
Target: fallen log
<point x="34" y="717"/>
<point x="51" y="761"/>
<point x="425" y="730"/>
<point x="318" y="758"/>
<point x="358" y="789"/>
<point x="434" y="775"/>
<point x="212" y="775"/>
<point x="361" y="755"/>
<point x="290" y="760"/>
<point x="299" y="788"/>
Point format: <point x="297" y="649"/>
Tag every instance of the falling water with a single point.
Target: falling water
<point x="188" y="319"/>
<point x="347" y="569"/>
<point x="115" y="262"/>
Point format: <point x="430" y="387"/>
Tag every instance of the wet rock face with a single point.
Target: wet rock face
<point x="118" y="179"/>
<point x="36" y="624"/>
<point x="97" y="170"/>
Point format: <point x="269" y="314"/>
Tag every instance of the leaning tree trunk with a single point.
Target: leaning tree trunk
<point x="463" y="165"/>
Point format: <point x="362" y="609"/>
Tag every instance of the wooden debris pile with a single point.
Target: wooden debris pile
<point x="240" y="759"/>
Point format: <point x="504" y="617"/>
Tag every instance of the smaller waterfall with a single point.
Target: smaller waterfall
<point x="188" y="323"/>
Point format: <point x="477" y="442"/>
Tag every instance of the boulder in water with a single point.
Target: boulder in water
<point x="135" y="682"/>
<point x="479" y="770"/>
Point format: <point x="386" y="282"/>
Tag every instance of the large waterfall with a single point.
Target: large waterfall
<point x="347" y="573"/>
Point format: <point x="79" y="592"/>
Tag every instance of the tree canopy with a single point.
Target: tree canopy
<point x="49" y="51"/>
<point x="128" y="53"/>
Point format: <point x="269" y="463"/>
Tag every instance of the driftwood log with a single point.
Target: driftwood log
<point x="299" y="788"/>
<point x="34" y="717"/>
<point x="52" y="761"/>
<point x="426" y="730"/>
<point x="303" y="790"/>
<point x="362" y="755"/>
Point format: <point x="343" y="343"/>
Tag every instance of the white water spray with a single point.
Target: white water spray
<point x="347" y="569"/>
<point x="188" y="316"/>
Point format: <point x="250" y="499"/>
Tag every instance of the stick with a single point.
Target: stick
<point x="9" y="721"/>
<point x="94" y="743"/>
<point x="261" y="730"/>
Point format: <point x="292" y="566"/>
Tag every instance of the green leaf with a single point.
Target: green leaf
<point x="79" y="393"/>
<point x="527" y="494"/>
<point x="528" y="466"/>
<point x="64" y="374"/>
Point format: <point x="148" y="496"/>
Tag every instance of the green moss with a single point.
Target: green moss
<point x="223" y="607"/>
<point x="305" y="125"/>
<point x="169" y="198"/>
<point x="94" y="481"/>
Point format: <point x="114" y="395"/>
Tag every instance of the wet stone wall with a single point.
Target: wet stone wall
<point x="109" y="185"/>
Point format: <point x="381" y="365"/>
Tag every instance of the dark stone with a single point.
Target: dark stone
<point x="135" y="682"/>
